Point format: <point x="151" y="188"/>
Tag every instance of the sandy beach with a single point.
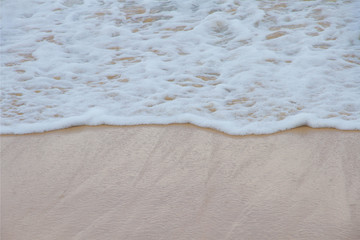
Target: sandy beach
<point x="180" y="182"/>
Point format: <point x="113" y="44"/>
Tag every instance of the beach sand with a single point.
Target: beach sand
<point x="180" y="182"/>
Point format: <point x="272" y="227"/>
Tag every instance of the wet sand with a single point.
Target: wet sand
<point x="180" y="182"/>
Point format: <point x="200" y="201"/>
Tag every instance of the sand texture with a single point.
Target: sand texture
<point x="180" y="182"/>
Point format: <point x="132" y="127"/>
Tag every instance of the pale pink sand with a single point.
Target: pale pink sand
<point x="180" y="182"/>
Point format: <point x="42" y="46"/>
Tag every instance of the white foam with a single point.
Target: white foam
<point x="242" y="67"/>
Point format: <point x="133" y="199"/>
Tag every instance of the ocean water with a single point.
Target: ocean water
<point x="242" y="67"/>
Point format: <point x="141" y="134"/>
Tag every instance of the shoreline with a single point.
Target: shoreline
<point x="73" y="128"/>
<point x="180" y="181"/>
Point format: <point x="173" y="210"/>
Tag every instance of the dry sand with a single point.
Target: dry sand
<point x="180" y="182"/>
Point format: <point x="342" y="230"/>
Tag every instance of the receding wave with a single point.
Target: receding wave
<point x="242" y="67"/>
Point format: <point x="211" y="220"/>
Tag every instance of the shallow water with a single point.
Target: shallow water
<point x="241" y="67"/>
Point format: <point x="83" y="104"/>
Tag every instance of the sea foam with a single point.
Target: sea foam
<point x="242" y="67"/>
